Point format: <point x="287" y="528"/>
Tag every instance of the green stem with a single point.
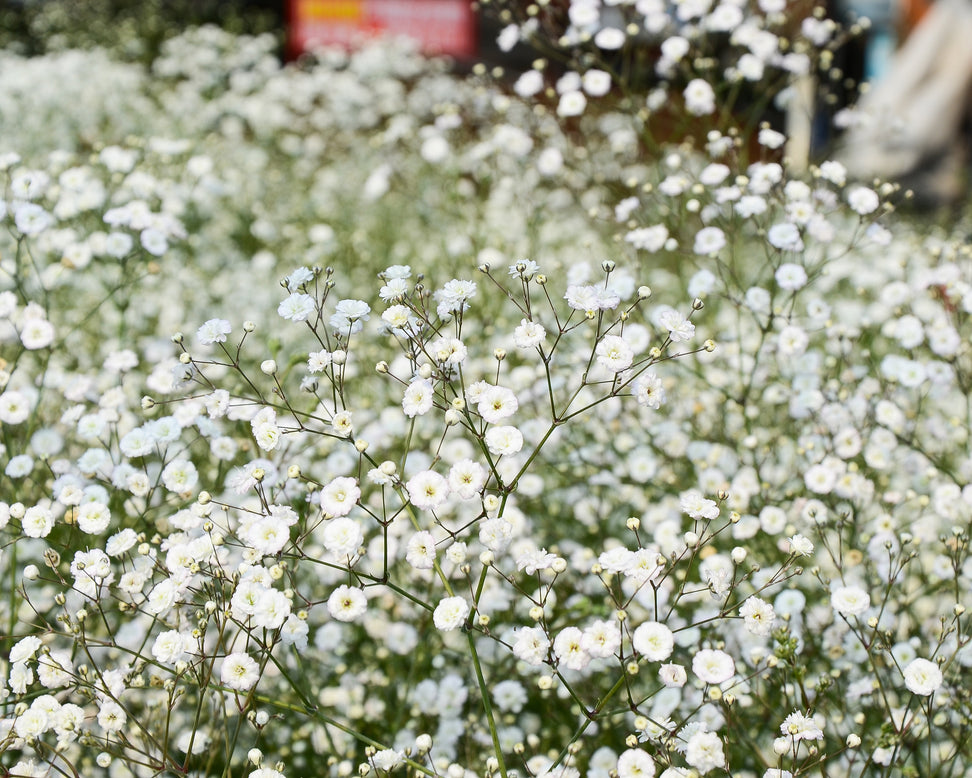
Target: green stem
<point x="487" y="706"/>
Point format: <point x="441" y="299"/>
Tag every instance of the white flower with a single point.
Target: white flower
<point x="427" y="490"/>
<point x="597" y="83"/>
<point x="672" y="675"/>
<point x="850" y="600"/>
<point x="679" y="328"/>
<point x="37" y="522"/>
<point x="347" y="603"/>
<point x="467" y="478"/>
<point x="24" y="649"/>
<point x="635" y="763"/>
<point x="170" y="646"/>
<point x="609" y="38"/>
<point x="791" y="276"/>
<point x="342" y="536"/>
<point x="614" y="353"/>
<point x="704" y="752"/>
<point x="922" y="677"/>
<point x="654" y="641"/>
<point x="496" y="534"/>
<point x="568" y="647"/>
<point x="651" y="239"/>
<point x="801" y="545"/>
<point x="213" y="331"/>
<point x="572" y="103"/>
<point x="420" y="551"/>
<point x="180" y="476"/>
<point x="32" y="723"/>
<point x="31" y="219"/>
<point x="450" y="613"/>
<point x="503" y="441"/>
<point x="93" y="517"/>
<point x="239" y="671"/>
<point x="863" y="200"/>
<point x="36" y="333"/>
<point x="529" y="334"/>
<point x="758" y="616"/>
<point x="14" y="407"/>
<point x="531" y="645"/>
<point x="529" y="83"/>
<point x="785" y="236"/>
<point x="349" y="316"/>
<point x="296" y="307"/>
<point x="601" y="639"/>
<point x="340" y="496"/>
<point x="697" y="506"/>
<point x="800" y="726"/>
<point x="713" y="666"/>
<point x="497" y="403"/>
<point x="386" y="759"/>
<point x="111" y="716"/>
<point x="709" y="240"/>
<point x="699" y="97"/>
<point x="649" y="391"/>
<point x="154" y="241"/>
<point x="418" y="398"/>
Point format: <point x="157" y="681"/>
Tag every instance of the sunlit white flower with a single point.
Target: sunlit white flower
<point x="450" y="613"/>
<point x="427" y="490"/>
<point x="239" y="671"/>
<point x="850" y="600"/>
<point x="923" y="677"/>
<point x="713" y="666"/>
<point x="654" y="641"/>
<point x="635" y="763"/>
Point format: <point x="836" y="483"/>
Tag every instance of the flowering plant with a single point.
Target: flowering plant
<point x="685" y="492"/>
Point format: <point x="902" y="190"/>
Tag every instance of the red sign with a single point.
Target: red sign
<point x="439" y="26"/>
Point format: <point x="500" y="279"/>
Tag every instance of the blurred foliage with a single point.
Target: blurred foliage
<point x="135" y="29"/>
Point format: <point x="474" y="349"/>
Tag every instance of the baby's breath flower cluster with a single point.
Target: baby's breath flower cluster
<point x="360" y="418"/>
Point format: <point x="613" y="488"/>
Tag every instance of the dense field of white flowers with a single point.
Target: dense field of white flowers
<point x="361" y="418"/>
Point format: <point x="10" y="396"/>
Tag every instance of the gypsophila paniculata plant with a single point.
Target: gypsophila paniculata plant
<point x="362" y="418"/>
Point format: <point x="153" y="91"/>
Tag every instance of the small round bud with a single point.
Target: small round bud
<point x="339" y="356"/>
<point x="293" y="471"/>
<point x="361" y="445"/>
<point x="697" y="304"/>
<point x="644" y="292"/>
<point x="204" y="498"/>
<point x="381" y="367"/>
<point x="536" y="613"/>
<point x="709" y="345"/>
<point x="31" y="572"/>
<point x="147" y="403"/>
<point x="499" y="354"/>
<point x="249" y="326"/>
<point x="268" y="366"/>
<point x="254" y="756"/>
